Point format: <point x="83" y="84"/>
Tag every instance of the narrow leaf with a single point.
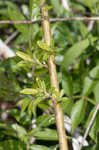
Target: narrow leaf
<point x="12" y="145"/>
<point x="29" y="91"/>
<point x="67" y="83"/>
<point x="24" y="56"/>
<point x="45" y="134"/>
<point x="74" y="52"/>
<point x="43" y="46"/>
<point x="90" y="81"/>
<point x="96" y="92"/>
<point x="67" y="105"/>
<point x="77" y="114"/>
<point x="39" y="147"/>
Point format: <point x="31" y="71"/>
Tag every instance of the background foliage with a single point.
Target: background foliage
<point x="27" y="118"/>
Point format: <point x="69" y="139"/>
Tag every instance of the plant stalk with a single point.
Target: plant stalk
<point x="53" y="80"/>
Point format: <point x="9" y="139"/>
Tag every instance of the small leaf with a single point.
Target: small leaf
<point x="67" y="83"/>
<point x="67" y="105"/>
<point x="29" y="91"/>
<point x="21" y="132"/>
<point x="12" y="145"/>
<point x="57" y="7"/>
<point x="44" y="134"/>
<point x="47" y="8"/>
<point x="89" y="117"/>
<point x="74" y="52"/>
<point x="44" y="46"/>
<point x="39" y="147"/>
<point x="24" y="56"/>
<point x="30" y="107"/>
<point x="35" y="103"/>
<point x="95" y="129"/>
<point x="90" y="81"/>
<point x="96" y="92"/>
<point x="25" y="104"/>
<point x="77" y="114"/>
<point x="45" y="120"/>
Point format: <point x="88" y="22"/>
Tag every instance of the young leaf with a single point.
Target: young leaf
<point x="77" y="113"/>
<point x="74" y="52"/>
<point x="24" y="56"/>
<point x="90" y="81"/>
<point x="29" y="91"/>
<point x="25" y="104"/>
<point x="35" y="103"/>
<point x="30" y="107"/>
<point x="44" y="46"/>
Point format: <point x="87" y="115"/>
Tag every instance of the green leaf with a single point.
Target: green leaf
<point x="31" y="6"/>
<point x="12" y="145"/>
<point x="15" y="15"/>
<point x="95" y="129"/>
<point x="30" y="107"/>
<point x="89" y="117"/>
<point x="74" y="52"/>
<point x="22" y="118"/>
<point x="92" y="147"/>
<point x="20" y="131"/>
<point x="44" y="134"/>
<point x="44" y="46"/>
<point x="96" y="92"/>
<point x="83" y="29"/>
<point x="39" y="147"/>
<point x="25" y="103"/>
<point x="67" y="83"/>
<point x="45" y="120"/>
<point x="90" y="81"/>
<point x="34" y="9"/>
<point x="29" y="91"/>
<point x="3" y="126"/>
<point x="67" y="105"/>
<point x="35" y="103"/>
<point x="24" y="56"/>
<point x="57" y="7"/>
<point x="78" y="113"/>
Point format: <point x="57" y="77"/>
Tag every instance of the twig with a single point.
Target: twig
<point x="18" y="22"/>
<point x="10" y="38"/>
<point x="51" y="20"/>
<point x="89" y="126"/>
<point x="54" y="81"/>
<point x="74" y="19"/>
<point x="39" y="63"/>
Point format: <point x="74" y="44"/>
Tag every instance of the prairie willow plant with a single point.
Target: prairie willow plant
<point x="53" y="81"/>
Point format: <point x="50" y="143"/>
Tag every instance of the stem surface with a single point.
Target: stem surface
<point x="54" y="81"/>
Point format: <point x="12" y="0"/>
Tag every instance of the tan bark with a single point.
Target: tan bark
<point x="54" y="81"/>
